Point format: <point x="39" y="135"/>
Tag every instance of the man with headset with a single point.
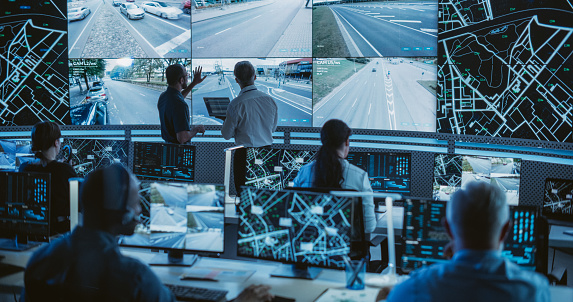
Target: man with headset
<point x="87" y="264"/>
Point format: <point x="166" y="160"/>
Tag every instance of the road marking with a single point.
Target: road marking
<point x="420" y="10"/>
<point x="82" y="32"/>
<point x="256" y="17"/>
<point x="140" y="35"/>
<point x="142" y="94"/>
<point x="375" y="50"/>
<point x="354" y="102"/>
<point x="173" y="43"/>
<point x="162" y="20"/>
<point x="224" y="30"/>
<point x="348" y="34"/>
<point x="406" y="21"/>
<point x="373" y="13"/>
<point x="430" y="30"/>
<point x="369" y="108"/>
<point x="384" y="16"/>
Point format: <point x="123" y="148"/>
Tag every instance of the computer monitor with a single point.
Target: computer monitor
<point x="557" y="201"/>
<point x="306" y="229"/>
<point x="277" y="168"/>
<point x="10" y="150"/>
<point x="452" y="172"/>
<point x="161" y="161"/>
<point x="24" y="209"/>
<point x="425" y="237"/>
<point x="89" y="154"/>
<point x="180" y="217"/>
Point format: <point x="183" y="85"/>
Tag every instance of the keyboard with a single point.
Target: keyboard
<point x="197" y="294"/>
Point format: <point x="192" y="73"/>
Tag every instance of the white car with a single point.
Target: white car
<point x="132" y="11"/>
<point x="78" y="13"/>
<point x="162" y="9"/>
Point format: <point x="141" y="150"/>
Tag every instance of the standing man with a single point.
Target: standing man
<point x="251" y="118"/>
<point x="173" y="111"/>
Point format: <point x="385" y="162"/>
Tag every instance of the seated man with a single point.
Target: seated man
<point x="87" y="264"/>
<point x="477" y="221"/>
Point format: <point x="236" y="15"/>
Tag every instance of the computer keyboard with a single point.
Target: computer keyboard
<point x="197" y="294"/>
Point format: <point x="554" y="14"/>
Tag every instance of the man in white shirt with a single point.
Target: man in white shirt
<point x="251" y="118"/>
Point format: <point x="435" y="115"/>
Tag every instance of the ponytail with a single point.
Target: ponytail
<point x="328" y="168"/>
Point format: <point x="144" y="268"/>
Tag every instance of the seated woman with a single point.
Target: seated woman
<point x="46" y="145"/>
<point x="332" y="170"/>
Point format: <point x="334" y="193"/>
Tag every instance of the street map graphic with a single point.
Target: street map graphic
<point x="90" y="154"/>
<point x="504" y="69"/>
<point x="33" y="63"/>
<point x="275" y="168"/>
<point x="307" y="228"/>
<point x="558" y="196"/>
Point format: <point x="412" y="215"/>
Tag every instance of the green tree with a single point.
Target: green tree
<point x="87" y="67"/>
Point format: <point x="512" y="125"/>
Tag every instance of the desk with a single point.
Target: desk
<point x="558" y="239"/>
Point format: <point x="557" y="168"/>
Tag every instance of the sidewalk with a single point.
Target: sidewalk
<point x="296" y="41"/>
<point x="198" y="15"/>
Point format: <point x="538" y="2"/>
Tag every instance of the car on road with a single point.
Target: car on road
<point x="97" y="84"/>
<point x="116" y="2"/>
<point x="373" y="69"/>
<point x="186" y="7"/>
<point x="90" y="113"/>
<point x="96" y="93"/>
<point x="132" y="11"/>
<point x="78" y="13"/>
<point x="162" y="9"/>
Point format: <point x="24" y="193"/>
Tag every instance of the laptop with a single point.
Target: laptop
<point x="217" y="106"/>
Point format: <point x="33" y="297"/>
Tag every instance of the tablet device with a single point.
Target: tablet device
<point x="217" y="106"/>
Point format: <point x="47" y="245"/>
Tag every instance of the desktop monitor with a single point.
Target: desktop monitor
<point x="557" y="201"/>
<point x="306" y="229"/>
<point x="425" y="237"/>
<point x="161" y="161"/>
<point x="10" y="150"/>
<point x="89" y="154"/>
<point x="277" y="168"/>
<point x="452" y="172"/>
<point x="180" y="217"/>
<point x="24" y="209"/>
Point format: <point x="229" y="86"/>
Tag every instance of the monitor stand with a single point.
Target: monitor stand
<point x="174" y="258"/>
<point x="13" y="244"/>
<point x="298" y="271"/>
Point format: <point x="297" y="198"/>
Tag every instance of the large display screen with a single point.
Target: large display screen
<point x="90" y="154"/>
<point x="161" y="161"/>
<point x="557" y="198"/>
<point x="505" y="69"/>
<point x="394" y="93"/>
<point x="287" y="81"/>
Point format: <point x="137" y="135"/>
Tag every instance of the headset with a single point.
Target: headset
<point x="68" y="153"/>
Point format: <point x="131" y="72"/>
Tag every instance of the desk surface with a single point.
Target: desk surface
<point x="558" y="239"/>
<point x="301" y="290"/>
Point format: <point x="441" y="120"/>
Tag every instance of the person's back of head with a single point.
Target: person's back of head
<point x="173" y="73"/>
<point x="334" y="136"/>
<point x="244" y="73"/>
<point x="110" y="200"/>
<point x="45" y="135"/>
<point x="477" y="216"/>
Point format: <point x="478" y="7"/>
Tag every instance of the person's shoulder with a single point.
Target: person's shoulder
<point x="418" y="280"/>
<point x="61" y="167"/>
<point x="514" y="272"/>
<point x="354" y="169"/>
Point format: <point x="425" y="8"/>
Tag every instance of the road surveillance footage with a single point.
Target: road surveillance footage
<point x="391" y="93"/>
<point x="136" y="29"/>
<point x="287" y="81"/>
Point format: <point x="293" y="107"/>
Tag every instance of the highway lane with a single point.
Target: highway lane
<point x="205" y="241"/>
<point x="250" y="33"/>
<point x="413" y="28"/>
<point x="175" y="197"/>
<point x="78" y="28"/>
<point x="479" y="165"/>
<point x="131" y="104"/>
<point x="373" y="99"/>
<point x="209" y="199"/>
<point x="503" y="169"/>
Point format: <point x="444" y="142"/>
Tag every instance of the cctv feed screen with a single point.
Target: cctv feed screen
<point x="290" y="226"/>
<point x="392" y="93"/>
<point x="277" y="168"/>
<point x="452" y="172"/>
<point x="178" y="215"/>
<point x="12" y="153"/>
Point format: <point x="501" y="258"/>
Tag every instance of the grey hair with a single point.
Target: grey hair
<point x="477" y="213"/>
<point x="245" y="72"/>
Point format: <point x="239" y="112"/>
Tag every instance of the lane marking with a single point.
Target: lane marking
<point x="163" y="20"/>
<point x="224" y="30"/>
<point x="140" y="35"/>
<point x="348" y="34"/>
<point x="384" y="16"/>
<point x="406" y="21"/>
<point x="82" y="32"/>
<point x="375" y="50"/>
<point x="173" y="43"/>
<point x="430" y="30"/>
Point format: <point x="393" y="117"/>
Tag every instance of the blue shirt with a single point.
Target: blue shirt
<point x="473" y="276"/>
<point x="173" y="114"/>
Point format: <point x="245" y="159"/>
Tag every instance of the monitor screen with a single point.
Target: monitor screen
<point x="424" y="235"/>
<point x="163" y="161"/>
<point x="287" y="80"/>
<point x="177" y="215"/>
<point x="452" y="172"/>
<point x="10" y="150"/>
<point x="277" y="168"/>
<point x="295" y="227"/>
<point x="33" y="64"/>
<point x="520" y="245"/>
<point x="557" y="200"/>
<point x="90" y="154"/>
<point x="376" y="93"/>
<point x="25" y="205"/>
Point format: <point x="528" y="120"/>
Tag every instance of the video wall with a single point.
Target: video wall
<point x="490" y="68"/>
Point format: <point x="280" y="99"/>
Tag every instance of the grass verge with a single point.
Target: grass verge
<point x="329" y="76"/>
<point x="327" y="40"/>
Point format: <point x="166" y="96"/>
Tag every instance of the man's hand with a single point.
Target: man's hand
<point x="197" y="76"/>
<point x="198" y="129"/>
<point x="255" y="293"/>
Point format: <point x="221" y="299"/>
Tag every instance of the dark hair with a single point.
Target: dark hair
<point x="173" y="73"/>
<point x="244" y="72"/>
<point x="104" y="196"/>
<point x="44" y="134"/>
<point x="328" y="169"/>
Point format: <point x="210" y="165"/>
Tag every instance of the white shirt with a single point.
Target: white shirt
<point x="251" y="118"/>
<point x="354" y="179"/>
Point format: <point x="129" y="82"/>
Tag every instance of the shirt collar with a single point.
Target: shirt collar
<point x="247" y="89"/>
<point x="468" y="255"/>
<point x="173" y="90"/>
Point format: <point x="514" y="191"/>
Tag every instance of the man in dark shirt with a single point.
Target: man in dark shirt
<point x="173" y="111"/>
<point x="87" y="264"/>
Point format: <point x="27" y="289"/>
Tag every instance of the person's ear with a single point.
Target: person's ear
<point x="237" y="80"/>
<point x="255" y="78"/>
<point x="57" y="143"/>
<point x="347" y="143"/>
<point x="505" y="231"/>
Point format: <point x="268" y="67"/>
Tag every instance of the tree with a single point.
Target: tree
<point x="87" y="67"/>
